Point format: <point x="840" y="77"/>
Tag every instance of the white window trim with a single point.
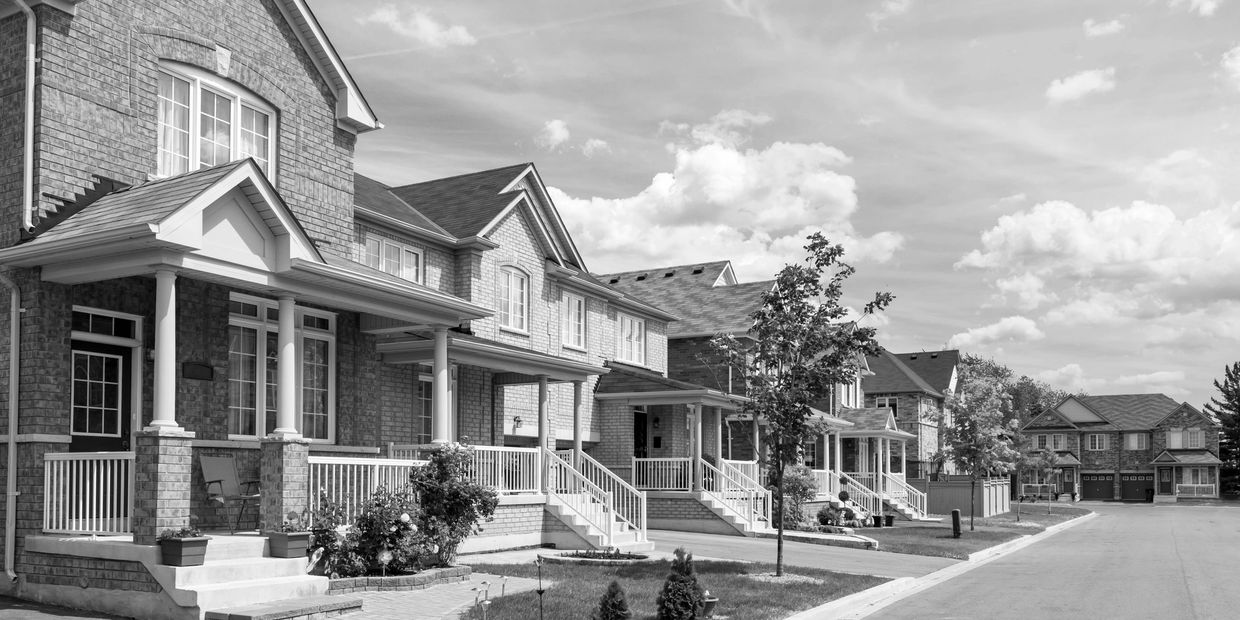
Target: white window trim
<point x="1041" y="441"/>
<point x="1189" y="434"/>
<point x="262" y="325"/>
<point x="621" y="349"/>
<point x="239" y="95"/>
<point x="1059" y="441"/>
<point x="1102" y="442"/>
<point x="889" y="402"/>
<point x="1142" y="442"/>
<point x="569" y="304"/>
<point x="524" y="330"/>
<point x="384" y="242"/>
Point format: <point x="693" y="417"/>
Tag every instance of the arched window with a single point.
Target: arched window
<point x="205" y="120"/>
<point x="514" y="298"/>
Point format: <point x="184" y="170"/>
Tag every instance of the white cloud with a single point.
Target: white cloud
<point x="1013" y="199"/>
<point x="754" y="10"/>
<point x="752" y="205"/>
<point x="1070" y="377"/>
<point x="419" y="25"/>
<point x="1231" y="65"/>
<point x="1081" y="85"/>
<point x="1204" y="8"/>
<point x="888" y="9"/>
<point x="594" y="146"/>
<point x="554" y="133"/>
<point x="1008" y="329"/>
<point x="1102" y="29"/>
<point x="1185" y="171"/>
<point x="1027" y="289"/>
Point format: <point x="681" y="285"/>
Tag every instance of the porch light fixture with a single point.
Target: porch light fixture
<point x="517" y="422"/>
<point x="655" y="423"/>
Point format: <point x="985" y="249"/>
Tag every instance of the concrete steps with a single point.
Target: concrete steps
<point x="308" y="608"/>
<point x="732" y="518"/>
<point x="580" y="515"/>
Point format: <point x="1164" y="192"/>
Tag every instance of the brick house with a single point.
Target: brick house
<point x="1127" y="447"/>
<point x="196" y="269"/>
<point x="914" y="386"/>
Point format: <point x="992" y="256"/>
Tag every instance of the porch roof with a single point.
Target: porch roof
<point x="639" y="386"/>
<point x="1186" y="457"/>
<point x="1066" y="459"/>
<point x="872" y="422"/>
<point x="228" y="225"/>
<point x="490" y="354"/>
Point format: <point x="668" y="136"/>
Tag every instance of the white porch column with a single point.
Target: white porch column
<point x="165" y="350"/>
<point x="544" y="431"/>
<point x="839" y="453"/>
<point x="286" y="362"/>
<point x="697" y="446"/>
<point x="577" y="404"/>
<point x="757" y="453"/>
<point x="719" y="433"/>
<point x="441" y="417"/>
<point x="904" y="458"/>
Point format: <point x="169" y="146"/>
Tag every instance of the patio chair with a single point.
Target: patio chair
<point x="225" y="487"/>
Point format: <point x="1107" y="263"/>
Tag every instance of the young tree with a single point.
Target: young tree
<point x="979" y="441"/>
<point x="1226" y="407"/>
<point x="801" y="348"/>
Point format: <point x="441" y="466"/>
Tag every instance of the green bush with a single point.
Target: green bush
<point x="800" y="487"/>
<point x="614" y="605"/>
<point x="387" y="531"/>
<point x="682" y="597"/>
<point x="333" y="532"/>
<point x="452" y="503"/>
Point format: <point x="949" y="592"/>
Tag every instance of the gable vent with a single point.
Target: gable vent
<point x="697" y="271"/>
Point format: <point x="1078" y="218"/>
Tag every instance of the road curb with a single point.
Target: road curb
<point x="864" y="603"/>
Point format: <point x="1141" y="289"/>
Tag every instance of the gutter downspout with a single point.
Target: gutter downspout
<point x="28" y="166"/>
<point x="10" y="485"/>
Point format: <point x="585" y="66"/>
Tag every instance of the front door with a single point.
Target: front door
<point x="640" y="440"/>
<point x="101" y="411"/>
<point x="1166" y="486"/>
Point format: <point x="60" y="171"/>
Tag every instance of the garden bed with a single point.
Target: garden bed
<point x="596" y="558"/>
<point x="416" y="581"/>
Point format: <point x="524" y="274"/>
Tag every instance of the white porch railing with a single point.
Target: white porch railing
<point x="860" y="494"/>
<point x="629" y="504"/>
<point x="868" y="479"/>
<point x="1034" y="490"/>
<point x="351" y="481"/>
<point x="897" y="489"/>
<point x="828" y="482"/>
<point x="88" y="492"/>
<point x="663" y="474"/>
<point x="568" y="487"/>
<point x="749" y="469"/>
<point x="1195" y="490"/>
<point x="740" y="494"/>
<point x="507" y="470"/>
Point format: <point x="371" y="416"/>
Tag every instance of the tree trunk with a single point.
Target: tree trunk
<point x="972" y="500"/>
<point x="779" y="502"/>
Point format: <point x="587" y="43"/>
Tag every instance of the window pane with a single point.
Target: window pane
<point x="371" y="248"/>
<point x="273" y="377"/>
<point x="242" y="380"/>
<point x="255" y="136"/>
<point x="173" y="125"/>
<point x="391" y="259"/>
<point x="215" y="129"/>
<point x="314" y="390"/>
<point x="411" y="266"/>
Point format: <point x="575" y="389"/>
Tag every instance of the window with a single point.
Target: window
<point x="889" y="402"/>
<point x="97" y="394"/>
<point x="204" y="121"/>
<point x="392" y="257"/>
<point x="514" y="295"/>
<point x="573" y="321"/>
<point x="1197" y="475"/>
<point x="1096" y="442"/>
<point x="632" y="339"/>
<point x="1175" y="438"/>
<point x="809" y="453"/>
<point x="253" y="369"/>
<point x="1195" y="439"/>
<point x="1136" y="441"/>
<point x="422" y="410"/>
<point x="1040" y="442"/>
<point x="1059" y="441"/>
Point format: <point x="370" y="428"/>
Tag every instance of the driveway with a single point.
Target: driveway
<point x="1132" y="561"/>
<point x="839" y="559"/>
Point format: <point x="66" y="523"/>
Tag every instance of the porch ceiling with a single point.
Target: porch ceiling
<point x="496" y="356"/>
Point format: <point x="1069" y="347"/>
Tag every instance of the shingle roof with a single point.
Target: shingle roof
<point x="935" y="367"/>
<point x="463" y="205"/>
<point x="1187" y="457"/>
<point x="146" y="203"/>
<point x="892" y="375"/>
<point x="688" y="293"/>
<point x="625" y="379"/>
<point x="1131" y="412"/>
<point x="872" y="419"/>
<point x="379" y="198"/>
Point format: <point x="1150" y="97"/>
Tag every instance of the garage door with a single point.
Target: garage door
<point x="1133" y="486"/>
<point x="1097" y="486"/>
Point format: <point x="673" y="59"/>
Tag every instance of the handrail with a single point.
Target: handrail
<point x="1194" y="490"/>
<point x="663" y="474"/>
<point x="750" y="503"/>
<point x="900" y="490"/>
<point x="861" y="495"/>
<point x="505" y="469"/>
<point x="629" y="503"/>
<point x="741" y="474"/>
<point x="351" y="481"/>
<point x="749" y="469"/>
<point x="828" y="482"/>
<point x="573" y="490"/>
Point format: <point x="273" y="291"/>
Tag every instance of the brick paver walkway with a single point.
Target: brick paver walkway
<point x="14" y="609"/>
<point x="442" y="602"/>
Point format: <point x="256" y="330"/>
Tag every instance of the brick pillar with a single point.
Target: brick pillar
<point x="284" y="474"/>
<point x="163" y="460"/>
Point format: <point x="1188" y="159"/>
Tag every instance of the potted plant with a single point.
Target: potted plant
<point x="889" y="519"/>
<point x="709" y="601"/>
<point x="184" y="547"/>
<point x="292" y="540"/>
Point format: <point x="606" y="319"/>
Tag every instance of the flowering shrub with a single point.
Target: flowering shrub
<point x="452" y="502"/>
<point x="338" y="539"/>
<point x="387" y="532"/>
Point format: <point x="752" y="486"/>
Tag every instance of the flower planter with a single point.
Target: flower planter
<point x="708" y="606"/>
<point x="288" y="544"/>
<point x="183" y="551"/>
<point x="889" y="520"/>
<point x="878" y="520"/>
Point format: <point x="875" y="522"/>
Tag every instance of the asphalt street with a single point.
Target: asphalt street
<point x="1133" y="561"/>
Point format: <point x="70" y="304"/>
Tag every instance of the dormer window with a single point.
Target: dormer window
<point x="205" y="121"/>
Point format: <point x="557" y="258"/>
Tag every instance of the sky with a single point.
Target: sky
<point x="1051" y="184"/>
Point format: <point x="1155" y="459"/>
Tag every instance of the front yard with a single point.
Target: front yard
<point x="745" y="590"/>
<point x="935" y="539"/>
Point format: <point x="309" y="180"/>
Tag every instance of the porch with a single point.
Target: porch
<point x="1186" y="474"/>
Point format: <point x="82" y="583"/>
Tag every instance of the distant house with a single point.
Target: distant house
<point x="914" y="386"/>
<point x="1127" y="447"/>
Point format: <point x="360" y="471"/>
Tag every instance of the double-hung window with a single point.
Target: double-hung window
<point x="398" y="259"/>
<point x="1136" y="441"/>
<point x="631" y="339"/>
<point x="1175" y="438"/>
<point x="1040" y="442"/>
<point x="1059" y="441"/>
<point x="1096" y="442"/>
<point x="573" y="321"/>
<point x="204" y="121"/>
<point x="514" y="296"/>
<point x="253" y="369"/>
<point x="889" y="402"/>
<point x="1194" y="439"/>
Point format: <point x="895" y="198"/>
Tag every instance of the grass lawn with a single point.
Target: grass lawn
<point x="935" y="539"/>
<point x="743" y="591"/>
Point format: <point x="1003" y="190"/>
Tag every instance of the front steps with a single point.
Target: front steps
<point x="578" y="512"/>
<point x="732" y="518"/>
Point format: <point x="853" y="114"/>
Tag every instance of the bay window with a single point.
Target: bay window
<point x="205" y="120"/>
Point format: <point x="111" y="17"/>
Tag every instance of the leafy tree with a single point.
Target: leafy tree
<point x="979" y="441"/>
<point x="1226" y="408"/>
<point x="452" y="503"/>
<point x="800" y="348"/>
